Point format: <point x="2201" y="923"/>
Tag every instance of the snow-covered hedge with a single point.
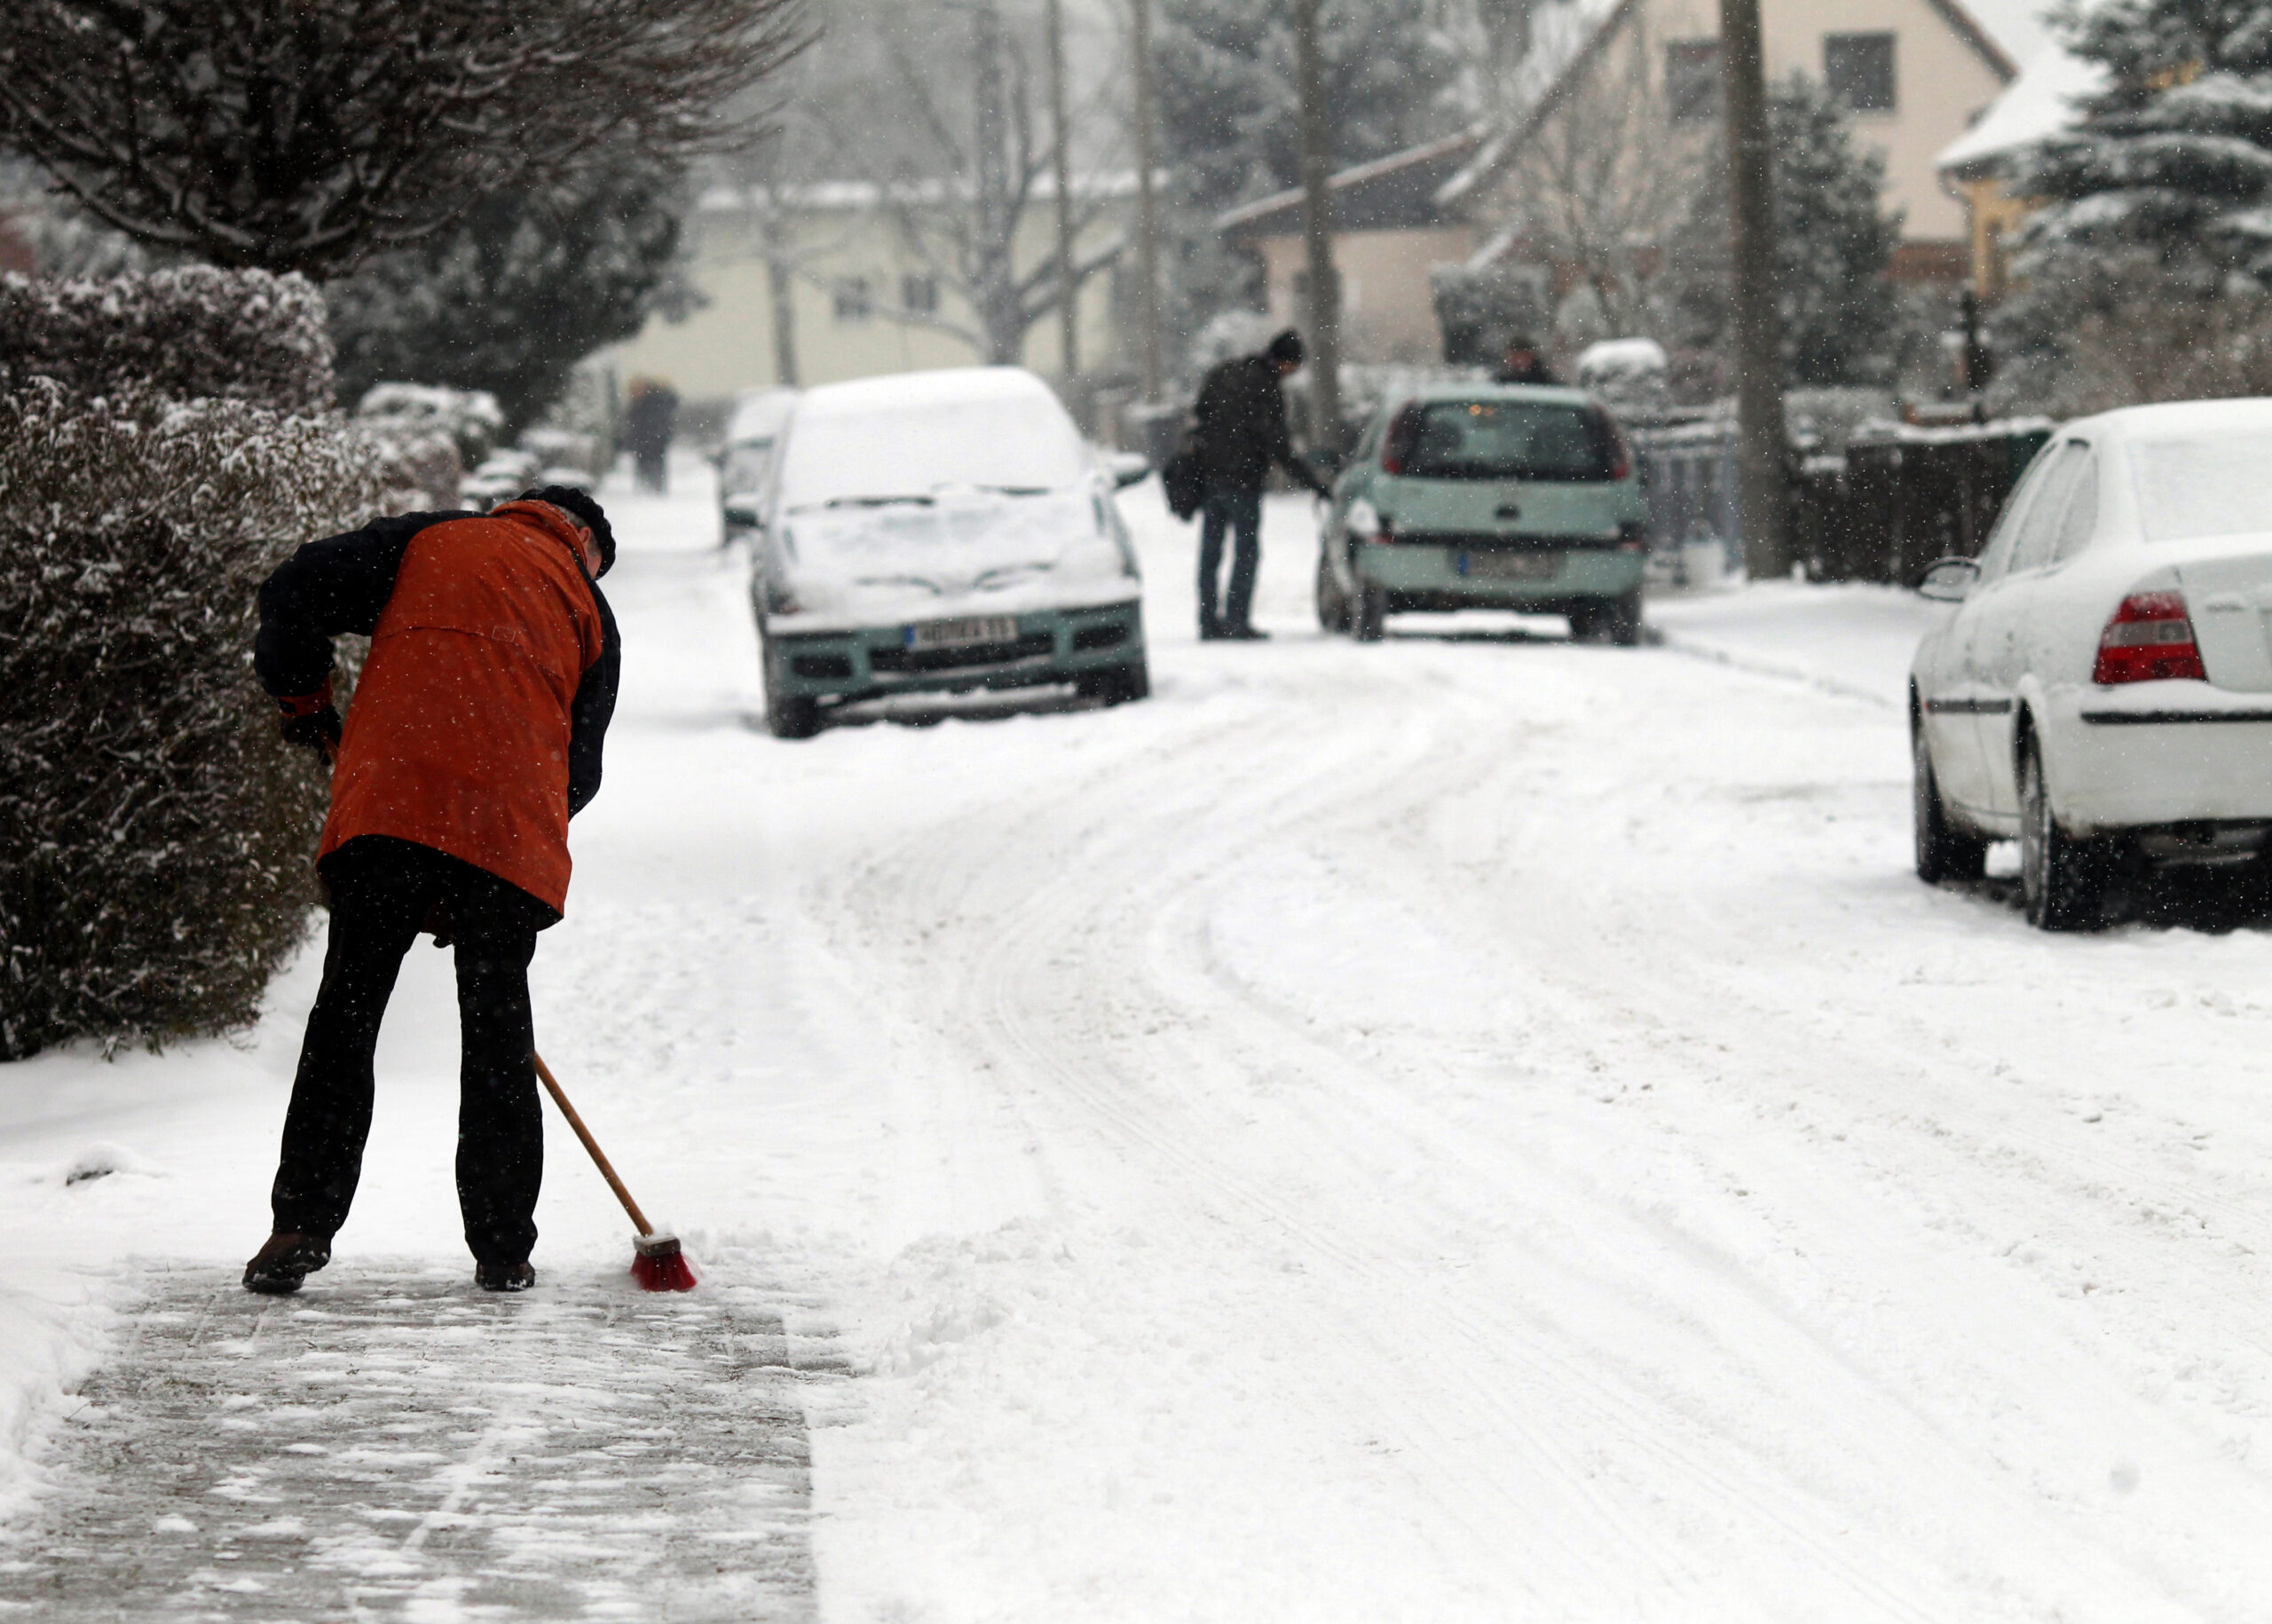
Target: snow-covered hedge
<point x="154" y="834"/>
<point x="470" y="417"/>
<point x="192" y="333"/>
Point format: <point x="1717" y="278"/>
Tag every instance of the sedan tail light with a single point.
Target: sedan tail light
<point x="2150" y="640"/>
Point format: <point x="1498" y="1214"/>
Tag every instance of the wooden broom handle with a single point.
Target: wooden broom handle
<point x="599" y="1156"/>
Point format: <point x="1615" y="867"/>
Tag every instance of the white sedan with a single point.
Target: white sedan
<point x="2103" y="690"/>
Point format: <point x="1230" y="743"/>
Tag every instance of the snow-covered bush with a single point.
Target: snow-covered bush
<point x="154" y="834"/>
<point x="192" y="333"/>
<point x="470" y="417"/>
<point x="417" y="470"/>
<point x="1632" y="374"/>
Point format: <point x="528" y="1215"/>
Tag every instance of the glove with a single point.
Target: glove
<point x="312" y="719"/>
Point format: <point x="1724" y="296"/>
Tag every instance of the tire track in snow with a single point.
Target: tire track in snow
<point x="1686" y="977"/>
<point x="1020" y="981"/>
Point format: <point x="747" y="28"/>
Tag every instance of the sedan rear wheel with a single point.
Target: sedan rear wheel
<point x="1368" y="616"/>
<point x="1943" y="851"/>
<point x="1116" y="684"/>
<point x="1332" y="603"/>
<point x="2063" y="880"/>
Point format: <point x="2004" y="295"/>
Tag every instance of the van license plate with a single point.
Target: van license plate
<point x="962" y="634"/>
<point x="1511" y="566"/>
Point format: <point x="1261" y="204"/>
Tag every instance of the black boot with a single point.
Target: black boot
<point x="503" y="1276"/>
<point x="278" y="1268"/>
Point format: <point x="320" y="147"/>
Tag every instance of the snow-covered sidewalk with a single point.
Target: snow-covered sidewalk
<point x="400" y="1447"/>
<point x="1470" y="1127"/>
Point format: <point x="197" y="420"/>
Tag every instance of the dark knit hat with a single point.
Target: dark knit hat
<point x="1287" y="347"/>
<point x="568" y="499"/>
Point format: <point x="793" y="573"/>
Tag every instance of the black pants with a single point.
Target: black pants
<point x="1237" y="509"/>
<point x="381" y="889"/>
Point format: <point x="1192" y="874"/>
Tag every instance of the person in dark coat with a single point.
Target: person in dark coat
<point x="1239" y="431"/>
<point x="1520" y="362"/>
<point x="475" y="735"/>
<point x="649" y="420"/>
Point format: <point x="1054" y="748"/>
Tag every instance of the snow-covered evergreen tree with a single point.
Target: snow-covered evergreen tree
<point x="1833" y="241"/>
<point x="2156" y="236"/>
<point x="2175" y="155"/>
<point x="512" y="299"/>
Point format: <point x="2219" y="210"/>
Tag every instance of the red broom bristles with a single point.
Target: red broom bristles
<point x="659" y="1266"/>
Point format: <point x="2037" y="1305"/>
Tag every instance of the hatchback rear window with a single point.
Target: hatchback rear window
<point x="1503" y="439"/>
<point x="2211" y="485"/>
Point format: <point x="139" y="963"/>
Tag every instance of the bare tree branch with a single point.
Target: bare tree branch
<point x="306" y="137"/>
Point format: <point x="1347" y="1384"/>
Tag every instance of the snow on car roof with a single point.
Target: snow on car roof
<point x="2183" y="419"/>
<point x="942" y="386"/>
<point x="1483" y="388"/>
<point x="759" y="415"/>
<point x="913" y="433"/>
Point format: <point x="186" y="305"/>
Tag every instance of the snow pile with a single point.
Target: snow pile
<point x="429" y="435"/>
<point x="50" y="1338"/>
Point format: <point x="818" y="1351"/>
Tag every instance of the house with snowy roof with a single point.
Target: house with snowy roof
<point x="1912" y="75"/>
<point x="2041" y="102"/>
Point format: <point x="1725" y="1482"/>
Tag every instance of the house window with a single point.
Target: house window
<point x="853" y="300"/>
<point x="1692" y="79"/>
<point x="1858" y="70"/>
<point x="920" y="294"/>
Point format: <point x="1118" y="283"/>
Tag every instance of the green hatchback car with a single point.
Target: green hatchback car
<point x="1488" y="496"/>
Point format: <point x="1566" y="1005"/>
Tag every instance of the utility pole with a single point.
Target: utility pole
<point x="1324" y="300"/>
<point x="1147" y="232"/>
<point x="781" y="292"/>
<point x="1069" y="315"/>
<point x="1762" y="496"/>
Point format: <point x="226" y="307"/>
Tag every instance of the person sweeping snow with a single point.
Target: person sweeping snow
<point x="474" y="736"/>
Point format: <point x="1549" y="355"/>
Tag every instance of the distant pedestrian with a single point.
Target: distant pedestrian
<point x="1520" y="362"/>
<point x="649" y="420"/>
<point x="1239" y="431"/>
<point x="475" y="735"/>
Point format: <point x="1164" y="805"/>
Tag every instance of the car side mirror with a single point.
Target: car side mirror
<point x="1951" y="580"/>
<point x="744" y="516"/>
<point x="1128" y="468"/>
<point x="1328" y="462"/>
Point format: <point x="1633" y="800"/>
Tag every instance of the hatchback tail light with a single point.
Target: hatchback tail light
<point x="1404" y="436"/>
<point x="2150" y="640"/>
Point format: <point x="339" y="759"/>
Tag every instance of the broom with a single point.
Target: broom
<point x="659" y="1264"/>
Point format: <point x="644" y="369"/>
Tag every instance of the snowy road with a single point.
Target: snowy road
<point x="1470" y="1128"/>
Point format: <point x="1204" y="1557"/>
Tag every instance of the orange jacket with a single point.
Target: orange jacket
<point x="475" y="728"/>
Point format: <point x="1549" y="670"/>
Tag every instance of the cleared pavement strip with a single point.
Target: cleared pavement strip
<point x="396" y="1444"/>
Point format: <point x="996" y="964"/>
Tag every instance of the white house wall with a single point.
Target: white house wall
<point x="1942" y="83"/>
<point x="727" y="345"/>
